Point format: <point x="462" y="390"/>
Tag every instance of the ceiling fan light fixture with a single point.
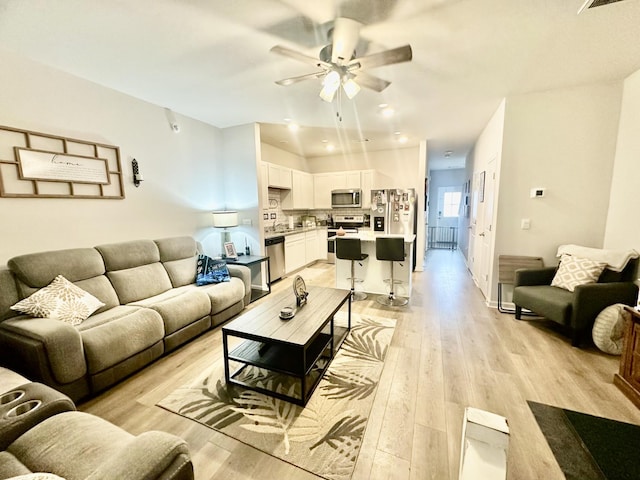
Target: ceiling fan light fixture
<point x="351" y="88"/>
<point x="330" y="85"/>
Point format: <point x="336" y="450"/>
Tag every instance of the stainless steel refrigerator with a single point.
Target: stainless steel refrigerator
<point x="393" y="211"/>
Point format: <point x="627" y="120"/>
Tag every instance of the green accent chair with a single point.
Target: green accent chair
<point x="575" y="310"/>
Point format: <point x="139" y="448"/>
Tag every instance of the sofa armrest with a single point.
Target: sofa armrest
<point x="61" y="343"/>
<point x="534" y="276"/>
<point x="244" y="274"/>
<point x="590" y="299"/>
<point x="150" y="455"/>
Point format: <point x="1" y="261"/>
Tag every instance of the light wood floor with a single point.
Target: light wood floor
<point x="449" y="351"/>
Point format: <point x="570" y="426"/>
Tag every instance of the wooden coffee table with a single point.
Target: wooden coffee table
<point x="301" y="347"/>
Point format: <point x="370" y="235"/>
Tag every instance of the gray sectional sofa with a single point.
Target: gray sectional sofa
<point x="152" y="306"/>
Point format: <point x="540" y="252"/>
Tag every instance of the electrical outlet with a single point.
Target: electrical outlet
<point x="525" y="224"/>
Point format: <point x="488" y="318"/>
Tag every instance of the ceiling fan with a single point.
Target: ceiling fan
<point x="338" y="65"/>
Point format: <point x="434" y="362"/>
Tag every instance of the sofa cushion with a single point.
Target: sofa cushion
<point x="223" y="295"/>
<point x="178" y="255"/>
<point x="178" y="307"/>
<point x="88" y="441"/>
<point x="117" y="334"/>
<point x="545" y="300"/>
<point x="137" y="283"/>
<point x="10" y="466"/>
<point x="574" y="271"/>
<point x="60" y="300"/>
<point x="120" y="256"/>
<point x="37" y="270"/>
<point x="94" y="449"/>
<point x="210" y="271"/>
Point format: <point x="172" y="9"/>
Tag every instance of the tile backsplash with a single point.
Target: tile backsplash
<point x="278" y="216"/>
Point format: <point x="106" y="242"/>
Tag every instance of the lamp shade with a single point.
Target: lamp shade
<point x="226" y="218"/>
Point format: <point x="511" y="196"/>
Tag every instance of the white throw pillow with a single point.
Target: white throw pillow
<point x="608" y="329"/>
<point x="60" y="300"/>
<point x="574" y="271"/>
<point x="37" y="476"/>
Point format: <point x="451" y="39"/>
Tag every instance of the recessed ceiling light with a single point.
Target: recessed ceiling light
<point x="383" y="105"/>
<point x="294" y="127"/>
<point x="388" y="112"/>
<point x="397" y="133"/>
<point x="403" y="139"/>
<point x="447" y="154"/>
<point x="324" y="140"/>
<point x="330" y="147"/>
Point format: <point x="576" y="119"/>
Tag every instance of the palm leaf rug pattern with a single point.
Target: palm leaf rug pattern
<point x="325" y="436"/>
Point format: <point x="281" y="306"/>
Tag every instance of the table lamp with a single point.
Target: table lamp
<point x="225" y="219"/>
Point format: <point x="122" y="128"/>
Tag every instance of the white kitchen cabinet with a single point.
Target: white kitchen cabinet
<point x="322" y="243"/>
<point x="311" y="246"/>
<point x="294" y="252"/>
<point x="352" y="179"/>
<point x="264" y="185"/>
<point x="300" y="197"/>
<point x="367" y="182"/>
<point x="279" y="176"/>
<point x="323" y="183"/>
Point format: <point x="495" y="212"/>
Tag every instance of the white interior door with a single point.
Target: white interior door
<point x="487" y="227"/>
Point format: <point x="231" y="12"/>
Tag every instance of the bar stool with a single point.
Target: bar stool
<point x="391" y="249"/>
<point x="350" y="249"/>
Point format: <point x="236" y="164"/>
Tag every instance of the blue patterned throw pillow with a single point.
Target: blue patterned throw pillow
<point x="210" y="271"/>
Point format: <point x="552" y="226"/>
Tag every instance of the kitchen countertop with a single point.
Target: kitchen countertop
<point x="287" y="231"/>
<point x="370" y="236"/>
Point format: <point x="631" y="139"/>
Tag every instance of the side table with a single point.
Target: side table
<point x="250" y="261"/>
<point x="628" y="379"/>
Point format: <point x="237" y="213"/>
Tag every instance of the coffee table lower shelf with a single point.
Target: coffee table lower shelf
<point x="307" y="365"/>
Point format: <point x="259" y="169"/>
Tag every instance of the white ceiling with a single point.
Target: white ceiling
<point x="210" y="60"/>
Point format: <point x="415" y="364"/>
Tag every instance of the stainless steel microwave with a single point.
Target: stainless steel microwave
<point x="351" y="198"/>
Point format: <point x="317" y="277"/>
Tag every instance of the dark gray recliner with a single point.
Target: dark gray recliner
<point x="575" y="310"/>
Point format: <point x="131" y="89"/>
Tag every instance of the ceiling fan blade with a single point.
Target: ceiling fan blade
<point x="308" y="76"/>
<point x="346" y="33"/>
<point x="388" y="57"/>
<point x="301" y="57"/>
<point x="371" y="82"/>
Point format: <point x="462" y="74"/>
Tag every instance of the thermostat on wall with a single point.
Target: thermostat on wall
<point x="537" y="192"/>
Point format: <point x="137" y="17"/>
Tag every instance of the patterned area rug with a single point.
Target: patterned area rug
<point x="325" y="436"/>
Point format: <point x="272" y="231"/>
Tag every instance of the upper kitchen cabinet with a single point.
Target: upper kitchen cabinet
<point x="300" y="197"/>
<point x="371" y="180"/>
<point x="264" y="184"/>
<point x="279" y="177"/>
<point x="324" y="183"/>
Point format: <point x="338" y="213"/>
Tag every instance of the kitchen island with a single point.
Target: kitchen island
<point x="373" y="272"/>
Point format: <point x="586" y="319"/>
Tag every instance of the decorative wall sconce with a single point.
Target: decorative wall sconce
<point x="137" y="176"/>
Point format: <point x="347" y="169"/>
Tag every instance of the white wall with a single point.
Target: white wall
<point x="278" y="156"/>
<point x="180" y="170"/>
<point x="623" y="227"/>
<point x="565" y="141"/>
<point x="487" y="149"/>
<point x="240" y="150"/>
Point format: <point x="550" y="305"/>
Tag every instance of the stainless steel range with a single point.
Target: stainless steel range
<point x="349" y="223"/>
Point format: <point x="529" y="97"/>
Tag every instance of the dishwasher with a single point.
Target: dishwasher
<point x="275" y="252"/>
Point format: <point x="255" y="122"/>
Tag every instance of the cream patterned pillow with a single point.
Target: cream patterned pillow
<point x="60" y="300"/>
<point x="574" y="271"/>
